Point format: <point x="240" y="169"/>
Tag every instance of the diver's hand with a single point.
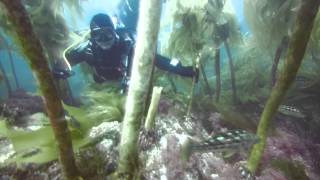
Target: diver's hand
<point x="61" y="73"/>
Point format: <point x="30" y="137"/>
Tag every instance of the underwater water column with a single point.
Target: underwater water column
<point x="147" y="33"/>
<point x="35" y="54"/>
<point x="296" y="50"/>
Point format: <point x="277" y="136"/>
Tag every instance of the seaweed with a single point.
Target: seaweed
<point x="31" y="47"/>
<point x="103" y="107"/>
<point x="296" y="50"/>
<point x="270" y="21"/>
<point x="185" y="40"/>
<point x="200" y="28"/>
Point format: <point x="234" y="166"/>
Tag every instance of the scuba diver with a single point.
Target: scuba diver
<point x="109" y="51"/>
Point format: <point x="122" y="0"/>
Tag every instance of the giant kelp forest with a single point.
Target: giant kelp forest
<point x="253" y="112"/>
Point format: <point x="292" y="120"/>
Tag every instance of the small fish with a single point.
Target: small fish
<point x="245" y="174"/>
<point x="291" y="111"/>
<point x="234" y="140"/>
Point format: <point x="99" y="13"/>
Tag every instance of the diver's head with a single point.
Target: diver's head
<point x="102" y="31"/>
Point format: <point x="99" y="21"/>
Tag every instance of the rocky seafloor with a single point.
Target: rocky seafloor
<point x="289" y="154"/>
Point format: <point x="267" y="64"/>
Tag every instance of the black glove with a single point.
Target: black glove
<point x="61" y="73"/>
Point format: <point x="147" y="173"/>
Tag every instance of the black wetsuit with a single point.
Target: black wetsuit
<point x="115" y="63"/>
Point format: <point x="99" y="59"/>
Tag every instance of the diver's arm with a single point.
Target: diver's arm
<point x="174" y="66"/>
<point x="164" y="63"/>
<point x="80" y="53"/>
<point x="72" y="56"/>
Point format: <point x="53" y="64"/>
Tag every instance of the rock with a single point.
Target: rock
<point x="5" y="177"/>
<point x="107" y="130"/>
<point x="21" y="104"/>
<point x="6" y="150"/>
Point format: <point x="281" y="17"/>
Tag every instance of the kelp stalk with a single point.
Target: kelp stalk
<point x="13" y="69"/>
<point x="218" y="76"/>
<point x="148" y="28"/>
<point x="233" y="78"/>
<point x="34" y="52"/>
<point x="188" y="115"/>
<point x="6" y="79"/>
<point x="156" y="93"/>
<point x="296" y="50"/>
<point x="205" y="79"/>
<point x="283" y="46"/>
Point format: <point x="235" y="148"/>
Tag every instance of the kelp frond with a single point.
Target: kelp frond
<point x="197" y="26"/>
<point x="270" y="20"/>
<point x="55" y="6"/>
<point x="186" y="40"/>
<point x="39" y="146"/>
<point x="48" y="23"/>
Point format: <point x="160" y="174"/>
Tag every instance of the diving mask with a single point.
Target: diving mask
<point x="104" y="37"/>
